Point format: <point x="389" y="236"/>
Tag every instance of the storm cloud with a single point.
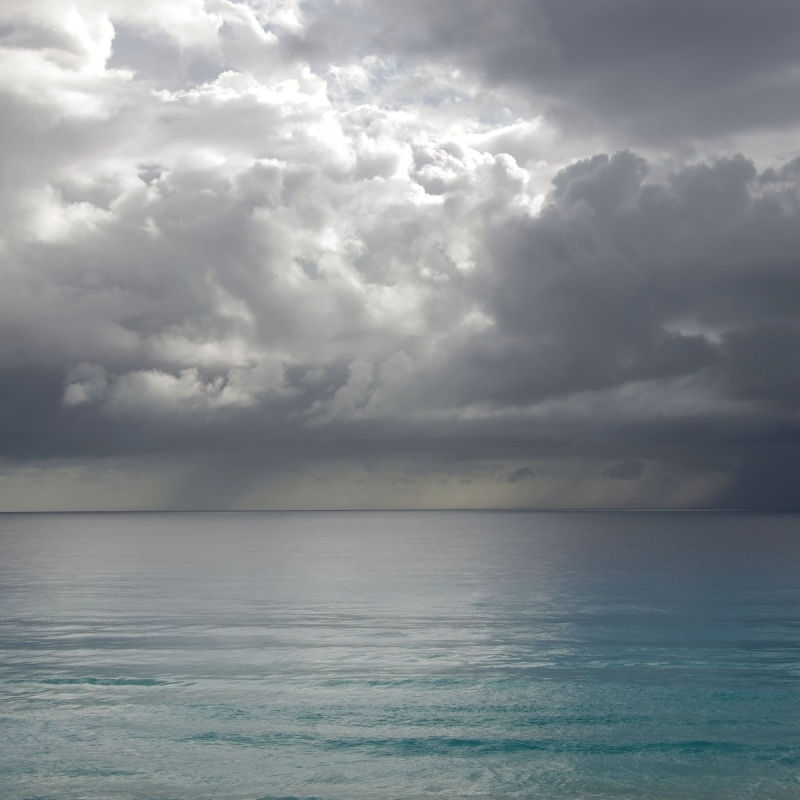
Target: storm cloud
<point x="346" y="254"/>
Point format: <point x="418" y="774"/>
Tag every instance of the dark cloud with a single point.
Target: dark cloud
<point x="621" y="280"/>
<point x="625" y="471"/>
<point x="653" y="70"/>
<point x="626" y="315"/>
<point x="767" y="476"/>
<point x="521" y="474"/>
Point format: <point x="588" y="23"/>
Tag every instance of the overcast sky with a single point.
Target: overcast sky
<point x="362" y="253"/>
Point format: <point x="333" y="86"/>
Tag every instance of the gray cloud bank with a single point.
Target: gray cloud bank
<point x="654" y="70"/>
<point x="265" y="254"/>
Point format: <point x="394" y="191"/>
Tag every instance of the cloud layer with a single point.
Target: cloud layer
<point x="273" y="253"/>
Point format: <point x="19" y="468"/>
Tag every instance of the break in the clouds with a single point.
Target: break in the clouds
<point x="283" y="254"/>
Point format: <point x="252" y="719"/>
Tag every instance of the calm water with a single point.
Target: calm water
<point x="400" y="655"/>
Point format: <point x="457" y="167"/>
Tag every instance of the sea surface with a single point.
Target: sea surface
<point x="244" y="656"/>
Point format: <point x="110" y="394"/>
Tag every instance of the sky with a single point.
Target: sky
<point x="370" y="254"/>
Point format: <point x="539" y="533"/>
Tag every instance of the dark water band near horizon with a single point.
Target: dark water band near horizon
<point x="377" y="655"/>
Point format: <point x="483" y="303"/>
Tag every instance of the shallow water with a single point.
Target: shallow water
<point x="648" y="655"/>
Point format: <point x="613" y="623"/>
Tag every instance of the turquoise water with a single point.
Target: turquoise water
<point x="400" y="655"/>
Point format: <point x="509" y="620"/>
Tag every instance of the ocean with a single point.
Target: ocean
<point x="376" y="655"/>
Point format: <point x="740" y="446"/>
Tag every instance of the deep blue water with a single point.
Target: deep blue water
<point x="400" y="655"/>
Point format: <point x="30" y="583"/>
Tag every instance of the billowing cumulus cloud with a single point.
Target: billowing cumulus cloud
<point x="284" y="254"/>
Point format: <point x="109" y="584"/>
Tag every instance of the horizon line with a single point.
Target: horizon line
<point x="499" y="509"/>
